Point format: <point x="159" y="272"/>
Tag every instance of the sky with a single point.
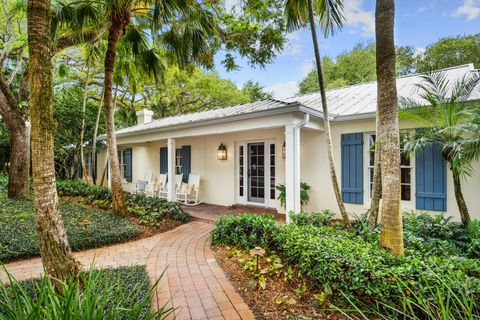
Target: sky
<point x="418" y="23"/>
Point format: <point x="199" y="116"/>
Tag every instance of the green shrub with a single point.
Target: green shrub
<point x="18" y="235"/>
<point x="304" y="193"/>
<point x="150" y="210"/>
<point x="340" y="262"/>
<point x="246" y="231"/>
<point x="314" y="218"/>
<point x="122" y="293"/>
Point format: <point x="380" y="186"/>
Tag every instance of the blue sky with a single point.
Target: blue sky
<point x="418" y="23"/>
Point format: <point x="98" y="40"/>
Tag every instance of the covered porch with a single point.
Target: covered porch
<point x="261" y="152"/>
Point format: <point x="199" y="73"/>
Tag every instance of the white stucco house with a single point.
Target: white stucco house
<point x="270" y="142"/>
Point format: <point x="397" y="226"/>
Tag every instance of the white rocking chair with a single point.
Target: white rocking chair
<point x="158" y="186"/>
<point x="141" y="185"/>
<point x="188" y="192"/>
<point x="163" y="193"/>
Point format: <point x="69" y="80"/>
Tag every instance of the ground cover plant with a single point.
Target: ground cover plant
<point x="86" y="227"/>
<point x="349" y="269"/>
<point x="120" y="293"/>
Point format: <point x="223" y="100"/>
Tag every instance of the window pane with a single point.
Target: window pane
<point x="272" y="194"/>
<point x="406" y="192"/>
<point x="404" y="160"/>
<point x="405" y="175"/>
<point x="371" y="174"/>
<point x="272" y="149"/>
<point x="241" y="191"/>
<point x="261" y="193"/>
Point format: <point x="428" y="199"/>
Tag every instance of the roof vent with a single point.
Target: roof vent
<point x="144" y="116"/>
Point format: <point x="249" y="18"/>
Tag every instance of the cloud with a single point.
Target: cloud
<point x="293" y="48"/>
<point x="306" y="67"/>
<point x="356" y="16"/>
<point x="428" y="7"/>
<point x="283" y="90"/>
<point x="470" y="9"/>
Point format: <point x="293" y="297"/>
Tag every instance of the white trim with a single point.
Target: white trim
<point x="171" y="182"/>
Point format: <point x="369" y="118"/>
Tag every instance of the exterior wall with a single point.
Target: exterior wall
<point x="218" y="183"/>
<point x="218" y="177"/>
<point x="315" y="171"/>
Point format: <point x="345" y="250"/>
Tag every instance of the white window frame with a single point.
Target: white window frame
<point x="178" y="161"/>
<point x="406" y="204"/>
<point x="122" y="164"/>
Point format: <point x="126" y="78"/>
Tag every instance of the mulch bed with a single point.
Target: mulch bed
<point x="280" y="299"/>
<point x="145" y="231"/>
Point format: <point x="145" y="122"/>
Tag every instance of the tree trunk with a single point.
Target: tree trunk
<point x="55" y="251"/>
<point x="462" y="205"/>
<point x="391" y="235"/>
<point x="94" y="142"/>
<point x="118" y="23"/>
<point x="377" y="184"/>
<point x="84" y="109"/>
<point x="18" y="127"/>
<point x="326" y="121"/>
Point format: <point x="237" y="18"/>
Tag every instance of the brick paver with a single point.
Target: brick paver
<point x="193" y="283"/>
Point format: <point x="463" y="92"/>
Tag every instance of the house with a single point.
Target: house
<point x="271" y="141"/>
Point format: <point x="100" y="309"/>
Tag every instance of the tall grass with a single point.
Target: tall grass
<point x="97" y="294"/>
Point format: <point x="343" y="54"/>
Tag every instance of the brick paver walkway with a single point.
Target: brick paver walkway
<point x="193" y="283"/>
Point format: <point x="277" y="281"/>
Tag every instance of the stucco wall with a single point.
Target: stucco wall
<point x="218" y="178"/>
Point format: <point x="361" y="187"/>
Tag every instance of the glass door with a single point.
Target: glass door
<point x="256" y="172"/>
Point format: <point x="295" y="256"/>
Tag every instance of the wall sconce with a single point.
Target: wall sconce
<point x="284" y="151"/>
<point x="222" y="152"/>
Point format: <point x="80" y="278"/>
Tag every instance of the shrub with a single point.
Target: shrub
<point x="314" y="218"/>
<point x="246" y="231"/>
<point x="150" y="210"/>
<point x="341" y="262"/>
<point x="304" y="194"/>
<point x="18" y="234"/>
<point x="121" y="293"/>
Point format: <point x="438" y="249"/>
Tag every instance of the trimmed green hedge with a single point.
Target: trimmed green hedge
<point x="18" y="237"/>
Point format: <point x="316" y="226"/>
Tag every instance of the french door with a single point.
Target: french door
<point x="255" y="173"/>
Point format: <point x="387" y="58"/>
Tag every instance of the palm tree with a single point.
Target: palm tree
<point x="450" y="121"/>
<point x="330" y="15"/>
<point x="54" y="248"/>
<point x="391" y="232"/>
<point x="182" y="26"/>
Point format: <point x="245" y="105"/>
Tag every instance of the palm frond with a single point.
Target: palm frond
<point x="330" y="13"/>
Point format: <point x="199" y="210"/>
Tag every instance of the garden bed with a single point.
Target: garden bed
<point x="283" y="295"/>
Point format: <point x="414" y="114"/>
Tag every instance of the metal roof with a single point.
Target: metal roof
<point x="362" y="98"/>
<point x="351" y="101"/>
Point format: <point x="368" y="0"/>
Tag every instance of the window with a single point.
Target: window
<point x="178" y="161"/>
<point x="122" y="164"/>
<point x="241" y="172"/>
<point x="272" y="171"/>
<point x="405" y="171"/>
<point x="88" y="164"/>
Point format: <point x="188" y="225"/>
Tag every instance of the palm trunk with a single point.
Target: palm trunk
<point x="328" y="133"/>
<point x="391" y="235"/>
<point x="94" y="143"/>
<point x="377" y="185"/>
<point x="55" y="251"/>
<point x="115" y="32"/>
<point x="84" y="108"/>
<point x="462" y="205"/>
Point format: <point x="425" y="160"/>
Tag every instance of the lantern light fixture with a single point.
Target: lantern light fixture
<point x="284" y="151"/>
<point x="222" y="152"/>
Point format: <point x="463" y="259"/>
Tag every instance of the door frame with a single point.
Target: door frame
<point x="243" y="200"/>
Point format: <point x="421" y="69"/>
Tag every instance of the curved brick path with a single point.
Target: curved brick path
<point x="193" y="283"/>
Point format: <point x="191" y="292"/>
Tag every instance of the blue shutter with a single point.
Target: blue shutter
<point x="163" y="160"/>
<point x="186" y="162"/>
<point x="352" y="168"/>
<point x="127" y="153"/>
<point x="430" y="179"/>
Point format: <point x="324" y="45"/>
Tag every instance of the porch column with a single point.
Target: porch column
<point x="292" y="169"/>
<point x="171" y="170"/>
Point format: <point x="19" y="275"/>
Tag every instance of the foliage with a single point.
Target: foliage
<point x="451" y="51"/>
<point x="150" y="210"/>
<point x="304" y="194"/>
<point x="255" y="91"/>
<point x="354" y="66"/>
<point x="246" y="231"/>
<point x="86" y="228"/>
<point x="312" y="218"/>
<point x="121" y="293"/>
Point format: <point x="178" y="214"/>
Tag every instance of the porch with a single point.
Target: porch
<point x="213" y="212"/>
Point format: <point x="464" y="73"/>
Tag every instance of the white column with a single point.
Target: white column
<point x="171" y="169"/>
<point x="292" y="169"/>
